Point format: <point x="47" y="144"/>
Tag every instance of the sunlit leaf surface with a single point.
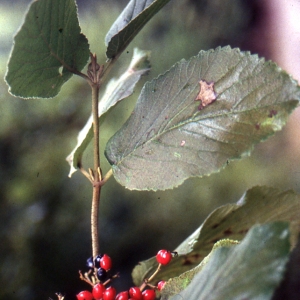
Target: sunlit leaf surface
<point x="169" y="137"/>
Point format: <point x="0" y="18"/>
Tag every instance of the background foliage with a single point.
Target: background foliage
<point x="45" y="230"/>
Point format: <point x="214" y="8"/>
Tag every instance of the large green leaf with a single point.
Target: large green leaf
<point x="47" y="50"/>
<point x="133" y="18"/>
<point x="116" y="90"/>
<point x="258" y="206"/>
<point x="168" y="139"/>
<point x="250" y="270"/>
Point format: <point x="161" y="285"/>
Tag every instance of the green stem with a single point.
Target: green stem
<point x="95" y="77"/>
<point x="95" y="96"/>
<point x="94" y="74"/>
<point x="107" y="176"/>
<point x="97" y="173"/>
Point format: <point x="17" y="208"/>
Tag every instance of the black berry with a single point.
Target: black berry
<point x="97" y="261"/>
<point x="101" y="274"/>
<point x="89" y="262"/>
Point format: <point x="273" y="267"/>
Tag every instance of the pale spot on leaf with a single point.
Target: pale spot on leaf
<point x="207" y="94"/>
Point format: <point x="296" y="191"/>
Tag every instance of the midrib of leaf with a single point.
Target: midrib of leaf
<point x="198" y="118"/>
<point x="138" y="28"/>
<point x="139" y="25"/>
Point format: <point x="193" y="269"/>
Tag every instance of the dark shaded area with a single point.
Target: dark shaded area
<point x="289" y="287"/>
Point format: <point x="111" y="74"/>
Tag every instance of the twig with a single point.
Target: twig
<point x="94" y="73"/>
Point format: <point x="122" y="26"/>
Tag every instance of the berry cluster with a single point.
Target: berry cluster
<point x="100" y="266"/>
<point x="102" y="263"/>
<point x="102" y="293"/>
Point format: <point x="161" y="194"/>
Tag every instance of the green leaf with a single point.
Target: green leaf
<point x="116" y="90"/>
<point x="47" y="50"/>
<point x="168" y="139"/>
<point x="177" y="284"/>
<point x="258" y="205"/>
<point x="251" y="270"/>
<point x="133" y="18"/>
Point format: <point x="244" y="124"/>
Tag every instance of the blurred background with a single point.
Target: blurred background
<point x="45" y="216"/>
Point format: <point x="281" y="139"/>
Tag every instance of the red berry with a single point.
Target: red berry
<point x="135" y="293"/>
<point x="161" y="284"/>
<point x="98" y="290"/>
<point x="109" y="293"/>
<point x="163" y="257"/>
<point x="85" y="295"/>
<point x="105" y="262"/>
<point x="148" y="295"/>
<point x="122" y="296"/>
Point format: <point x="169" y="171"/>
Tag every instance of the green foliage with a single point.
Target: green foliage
<point x="258" y="205"/>
<point x="47" y="50"/>
<point x="250" y="270"/>
<point x="129" y="23"/>
<point x="166" y="140"/>
<point x="168" y="137"/>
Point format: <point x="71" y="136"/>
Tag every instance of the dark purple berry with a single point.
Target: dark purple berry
<point x="89" y="262"/>
<point x="101" y="274"/>
<point x="97" y="261"/>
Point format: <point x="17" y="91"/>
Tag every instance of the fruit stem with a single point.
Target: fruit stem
<point x="85" y="278"/>
<point x="146" y="282"/>
<point x="153" y="275"/>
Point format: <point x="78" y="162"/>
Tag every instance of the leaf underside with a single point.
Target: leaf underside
<point x="168" y="139"/>
<point x="133" y="18"/>
<point x="47" y="49"/>
<point x="258" y="205"/>
<point x="251" y="270"/>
